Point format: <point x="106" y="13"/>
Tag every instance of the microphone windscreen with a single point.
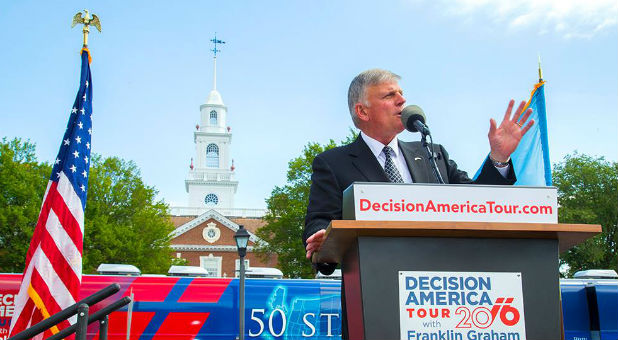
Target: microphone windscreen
<point x="410" y="114"/>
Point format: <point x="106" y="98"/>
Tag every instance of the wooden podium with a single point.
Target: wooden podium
<point x="372" y="253"/>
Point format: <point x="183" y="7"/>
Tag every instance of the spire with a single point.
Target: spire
<point x="540" y="71"/>
<point x="214" y="97"/>
<point x="214" y="75"/>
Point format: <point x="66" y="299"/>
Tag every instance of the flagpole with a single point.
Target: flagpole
<point x="540" y="71"/>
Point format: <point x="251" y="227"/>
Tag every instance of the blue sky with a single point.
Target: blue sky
<point x="285" y="69"/>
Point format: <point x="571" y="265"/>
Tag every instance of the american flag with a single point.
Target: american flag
<point x="53" y="272"/>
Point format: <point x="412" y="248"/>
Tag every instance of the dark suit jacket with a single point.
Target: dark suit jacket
<point x="334" y="170"/>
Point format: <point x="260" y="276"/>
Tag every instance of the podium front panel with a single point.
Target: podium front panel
<point x="381" y="258"/>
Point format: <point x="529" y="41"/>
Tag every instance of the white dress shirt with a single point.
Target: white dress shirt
<point x="377" y="149"/>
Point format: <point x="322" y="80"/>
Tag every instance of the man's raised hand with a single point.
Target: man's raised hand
<point x="503" y="139"/>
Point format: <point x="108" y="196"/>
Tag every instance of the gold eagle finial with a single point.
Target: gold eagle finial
<point x="86" y="21"/>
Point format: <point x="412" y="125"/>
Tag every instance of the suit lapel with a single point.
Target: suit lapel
<point x="416" y="159"/>
<point x="366" y="163"/>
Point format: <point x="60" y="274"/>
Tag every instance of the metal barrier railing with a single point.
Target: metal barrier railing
<point x="83" y="319"/>
<point x="100" y="316"/>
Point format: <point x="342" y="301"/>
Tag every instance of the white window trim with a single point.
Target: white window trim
<point x="215" y="156"/>
<point x="211" y="258"/>
<point x="216" y="117"/>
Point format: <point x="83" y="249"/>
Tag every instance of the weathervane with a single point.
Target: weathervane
<point x="215" y="50"/>
<point x="86" y="21"/>
<point x="216" y="41"/>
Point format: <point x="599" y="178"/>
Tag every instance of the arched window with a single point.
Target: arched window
<point x="213" y="117"/>
<point x="212" y="156"/>
<point x="211" y="200"/>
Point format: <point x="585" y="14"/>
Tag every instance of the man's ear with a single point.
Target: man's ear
<point x="361" y="112"/>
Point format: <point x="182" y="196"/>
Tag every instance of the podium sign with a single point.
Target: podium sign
<point x="454" y="202"/>
<point x="461" y="305"/>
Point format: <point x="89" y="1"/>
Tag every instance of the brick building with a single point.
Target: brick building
<point x="207" y="241"/>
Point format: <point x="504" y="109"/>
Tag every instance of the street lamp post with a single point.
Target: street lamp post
<point x="242" y="238"/>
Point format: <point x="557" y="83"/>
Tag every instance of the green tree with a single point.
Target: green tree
<point x="124" y="223"/>
<point x="285" y="218"/>
<point x="588" y="194"/>
<point x="22" y="185"/>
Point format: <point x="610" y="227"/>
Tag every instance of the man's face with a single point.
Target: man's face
<point x="380" y="112"/>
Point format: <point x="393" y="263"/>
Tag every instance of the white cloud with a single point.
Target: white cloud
<point x="567" y="18"/>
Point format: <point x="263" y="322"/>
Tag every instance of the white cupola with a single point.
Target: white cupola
<point x="210" y="182"/>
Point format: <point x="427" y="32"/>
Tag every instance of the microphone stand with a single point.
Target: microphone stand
<point x="430" y="154"/>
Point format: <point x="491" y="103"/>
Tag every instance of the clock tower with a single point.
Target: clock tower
<point x="210" y="182"/>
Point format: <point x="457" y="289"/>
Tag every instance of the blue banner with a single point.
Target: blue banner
<point x="531" y="158"/>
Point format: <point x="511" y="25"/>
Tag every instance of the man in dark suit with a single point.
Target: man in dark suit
<point x="375" y="101"/>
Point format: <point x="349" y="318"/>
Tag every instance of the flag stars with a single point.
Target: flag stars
<point x="74" y="110"/>
<point x="81" y="125"/>
<point x="84" y="97"/>
<point x="88" y="145"/>
<point x="67" y="142"/>
<point x="83" y="111"/>
<point x="85" y="173"/>
<point x="76" y="154"/>
<point x="58" y="174"/>
<point x="83" y="188"/>
<point x="86" y="83"/>
<point x="86" y="159"/>
<point x="73" y="168"/>
<point x="90" y="131"/>
<point x="78" y="139"/>
<point x="57" y="161"/>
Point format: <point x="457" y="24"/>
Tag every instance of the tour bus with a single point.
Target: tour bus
<point x="183" y="306"/>
<point x="263" y="273"/>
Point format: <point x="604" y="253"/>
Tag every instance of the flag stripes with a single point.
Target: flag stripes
<point x="58" y="260"/>
<point x="66" y="190"/>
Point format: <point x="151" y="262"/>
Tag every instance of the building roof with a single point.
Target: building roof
<point x="251" y="224"/>
<point x="180" y="220"/>
<point x="186" y="223"/>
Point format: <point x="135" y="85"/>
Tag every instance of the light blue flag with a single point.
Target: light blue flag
<point x="531" y="158"/>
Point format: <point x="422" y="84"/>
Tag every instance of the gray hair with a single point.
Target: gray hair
<point x="358" y="87"/>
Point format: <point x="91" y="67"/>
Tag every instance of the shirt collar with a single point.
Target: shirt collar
<point x="376" y="146"/>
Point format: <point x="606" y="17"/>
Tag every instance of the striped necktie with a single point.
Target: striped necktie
<point x="389" y="166"/>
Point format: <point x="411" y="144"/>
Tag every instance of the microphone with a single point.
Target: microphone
<point x="413" y="119"/>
